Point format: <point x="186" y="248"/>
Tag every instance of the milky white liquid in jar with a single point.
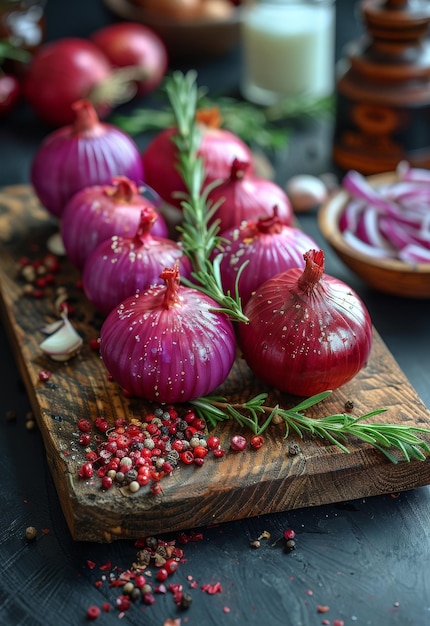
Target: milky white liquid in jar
<point x="288" y="50"/>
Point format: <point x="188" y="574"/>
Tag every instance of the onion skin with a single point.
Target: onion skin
<point x="268" y="246"/>
<point x="218" y="149"/>
<point x="99" y="212"/>
<point x="119" y="267"/>
<point x="85" y="153"/>
<point x="166" y="344"/>
<point x="308" y="332"/>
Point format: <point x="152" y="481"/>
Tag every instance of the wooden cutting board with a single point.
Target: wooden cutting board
<point x="237" y="486"/>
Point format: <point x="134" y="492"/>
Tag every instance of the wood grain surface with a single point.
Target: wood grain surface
<point x="235" y="487"/>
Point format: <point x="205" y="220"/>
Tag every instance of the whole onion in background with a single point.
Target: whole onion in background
<point x="137" y="47"/>
<point x="218" y="149"/>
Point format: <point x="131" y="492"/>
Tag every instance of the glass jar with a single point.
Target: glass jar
<point x="288" y="49"/>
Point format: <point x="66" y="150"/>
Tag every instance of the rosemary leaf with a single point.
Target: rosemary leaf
<point x="334" y="428"/>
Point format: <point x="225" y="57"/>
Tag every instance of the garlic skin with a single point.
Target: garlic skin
<point x="64" y="343"/>
<point x="305" y="192"/>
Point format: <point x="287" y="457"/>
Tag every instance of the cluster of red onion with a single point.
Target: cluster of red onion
<point x="108" y="216"/>
<point x="162" y="340"/>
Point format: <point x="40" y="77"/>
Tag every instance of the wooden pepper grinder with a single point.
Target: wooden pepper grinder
<point x="383" y="90"/>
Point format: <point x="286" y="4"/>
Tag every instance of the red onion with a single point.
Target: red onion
<point x="168" y="344"/>
<point x="121" y="266"/>
<point x="391" y="220"/>
<point x="243" y="196"/>
<point x="218" y="149"/>
<point x="308" y="332"/>
<point x="268" y="246"/>
<point x="99" y="212"/>
<point x="85" y="153"/>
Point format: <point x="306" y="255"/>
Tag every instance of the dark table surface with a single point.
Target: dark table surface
<point x="366" y="560"/>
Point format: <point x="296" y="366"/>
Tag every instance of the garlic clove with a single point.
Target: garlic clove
<point x="305" y="192"/>
<point x="64" y="343"/>
<point x="55" y="245"/>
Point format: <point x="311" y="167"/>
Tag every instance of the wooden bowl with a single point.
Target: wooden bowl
<point x="386" y="275"/>
<point x="208" y="38"/>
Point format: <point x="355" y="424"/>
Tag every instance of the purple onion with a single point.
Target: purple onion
<point x="268" y="247"/>
<point x="243" y="196"/>
<point x="86" y="153"/>
<point x="122" y="266"/>
<point x="99" y="212"/>
<point x="168" y="344"/>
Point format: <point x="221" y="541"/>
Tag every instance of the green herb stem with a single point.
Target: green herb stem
<point x="199" y="239"/>
<point x="260" y="127"/>
<point x="334" y="428"/>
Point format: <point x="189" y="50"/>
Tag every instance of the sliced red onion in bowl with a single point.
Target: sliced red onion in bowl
<point x="381" y="221"/>
<point x="412" y="253"/>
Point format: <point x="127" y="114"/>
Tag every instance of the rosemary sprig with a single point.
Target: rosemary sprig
<point x="260" y="127"/>
<point x="198" y="237"/>
<point x="334" y="428"/>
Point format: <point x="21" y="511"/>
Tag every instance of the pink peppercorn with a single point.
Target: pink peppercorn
<point x="139" y="581"/>
<point x="162" y="574"/>
<point x="257" y="442"/>
<point x="238" y="443"/>
<point x="289" y="534"/>
<point x="93" y="612"/>
<point x="44" y="376"/>
<point x="219" y="453"/>
<point x="200" y="452"/>
<point x="213" y="442"/>
<point x="86" y="470"/>
<point x="84" y="425"/>
<point x="123" y="603"/>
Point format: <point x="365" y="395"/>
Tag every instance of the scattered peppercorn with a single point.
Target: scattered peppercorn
<point x="93" y="612"/>
<point x="293" y="449"/>
<point x="238" y="443"/>
<point x="257" y="442"/>
<point x="349" y="405"/>
<point x="30" y="533"/>
<point x="290" y="545"/>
